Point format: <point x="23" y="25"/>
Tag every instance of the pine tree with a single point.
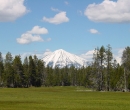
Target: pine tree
<point x="40" y="73"/>
<point x="97" y="69"/>
<point x="26" y="75"/>
<point x="72" y="75"/>
<point x="102" y="57"/>
<point x="109" y="58"/>
<point x="126" y="65"/>
<point x="18" y="72"/>
<point x="66" y="76"/>
<point x="56" y="76"/>
<point x="32" y="71"/>
<point x="49" y="76"/>
<point x="9" y="71"/>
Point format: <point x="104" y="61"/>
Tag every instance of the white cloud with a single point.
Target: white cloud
<point x="93" y="31"/>
<point x="57" y="19"/>
<point x="40" y="55"/>
<point x="67" y="3"/>
<point x="10" y="10"/>
<point x="118" y="54"/>
<point x="88" y="55"/>
<point x="27" y="54"/>
<point x="38" y="30"/>
<point x="32" y="36"/>
<point x="109" y="11"/>
<point x="28" y="38"/>
<point x="47" y="52"/>
<point x="55" y="9"/>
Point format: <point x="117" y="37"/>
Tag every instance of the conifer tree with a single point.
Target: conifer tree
<point x="8" y="70"/>
<point x="96" y="69"/>
<point x="126" y="65"/>
<point x="32" y="71"/>
<point x="40" y="73"/>
<point x="26" y="74"/>
<point x="18" y="72"/>
<point x="109" y="58"/>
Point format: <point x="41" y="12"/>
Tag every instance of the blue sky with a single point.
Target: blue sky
<point x="38" y="26"/>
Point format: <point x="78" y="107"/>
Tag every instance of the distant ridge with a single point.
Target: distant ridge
<point x="61" y="58"/>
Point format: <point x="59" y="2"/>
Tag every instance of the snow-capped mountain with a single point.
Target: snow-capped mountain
<point x="62" y="58"/>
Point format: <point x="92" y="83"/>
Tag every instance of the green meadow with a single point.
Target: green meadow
<point x="62" y="98"/>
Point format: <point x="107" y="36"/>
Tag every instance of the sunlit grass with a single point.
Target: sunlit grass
<point x="62" y="98"/>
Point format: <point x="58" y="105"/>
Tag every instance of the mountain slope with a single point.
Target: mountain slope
<point x="62" y="58"/>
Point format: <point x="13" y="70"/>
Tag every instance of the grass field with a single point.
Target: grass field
<point x="62" y="98"/>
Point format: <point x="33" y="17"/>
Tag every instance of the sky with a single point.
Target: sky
<point x="29" y="27"/>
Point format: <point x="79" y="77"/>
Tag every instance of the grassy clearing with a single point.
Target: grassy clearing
<point x="62" y="98"/>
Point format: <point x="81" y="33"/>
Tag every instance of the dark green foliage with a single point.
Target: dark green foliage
<point x="39" y="73"/>
<point x="104" y="74"/>
<point x="26" y="75"/>
<point x="18" y="76"/>
<point x="32" y="71"/>
<point x="49" y="76"/>
<point x="126" y="65"/>
<point x="8" y="71"/>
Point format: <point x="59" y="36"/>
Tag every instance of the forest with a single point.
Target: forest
<point x="103" y="74"/>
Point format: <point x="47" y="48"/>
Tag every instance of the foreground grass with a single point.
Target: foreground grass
<point x="62" y="98"/>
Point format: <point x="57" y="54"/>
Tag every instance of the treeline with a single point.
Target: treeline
<point x="104" y="73"/>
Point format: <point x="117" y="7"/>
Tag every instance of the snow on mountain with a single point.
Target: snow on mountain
<point x="62" y="58"/>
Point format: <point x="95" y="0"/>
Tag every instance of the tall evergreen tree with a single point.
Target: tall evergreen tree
<point x="126" y="65"/>
<point x="109" y="58"/>
<point x="40" y="73"/>
<point x="99" y="61"/>
<point x="26" y="75"/>
<point x="18" y="72"/>
<point x="49" y="77"/>
<point x="97" y="69"/>
<point x="32" y="71"/>
<point x="9" y="71"/>
<point x="66" y="76"/>
<point x="56" y="76"/>
<point x="102" y="57"/>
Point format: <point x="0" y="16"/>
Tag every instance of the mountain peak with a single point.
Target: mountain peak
<point x="61" y="58"/>
<point x="60" y="51"/>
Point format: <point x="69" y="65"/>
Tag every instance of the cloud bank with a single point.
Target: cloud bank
<point x="40" y="55"/>
<point x="109" y="11"/>
<point x="10" y="10"/>
<point x="33" y="35"/>
<point x="88" y="55"/>
<point x="117" y="54"/>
